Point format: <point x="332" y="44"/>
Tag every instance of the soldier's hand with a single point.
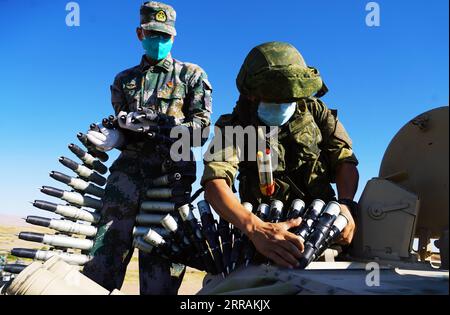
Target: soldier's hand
<point x="347" y="233"/>
<point x="274" y="241"/>
<point x="132" y="121"/>
<point x="105" y="139"/>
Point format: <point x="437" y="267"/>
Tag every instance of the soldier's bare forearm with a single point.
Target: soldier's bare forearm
<point x="225" y="203"/>
<point x="347" y="178"/>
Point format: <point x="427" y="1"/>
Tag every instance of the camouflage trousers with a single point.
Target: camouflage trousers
<point x="129" y="179"/>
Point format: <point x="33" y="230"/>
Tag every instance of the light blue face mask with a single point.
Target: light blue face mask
<point x="157" y="47"/>
<point x="273" y="114"/>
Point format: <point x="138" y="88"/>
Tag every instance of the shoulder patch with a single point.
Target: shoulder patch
<point x="192" y="66"/>
<point x="128" y="77"/>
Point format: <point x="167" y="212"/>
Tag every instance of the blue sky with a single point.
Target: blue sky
<point x="55" y="79"/>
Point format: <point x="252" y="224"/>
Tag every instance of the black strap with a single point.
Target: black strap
<point x="196" y="194"/>
<point x="300" y="194"/>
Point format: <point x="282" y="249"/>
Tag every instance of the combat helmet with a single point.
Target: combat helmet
<point x="277" y="72"/>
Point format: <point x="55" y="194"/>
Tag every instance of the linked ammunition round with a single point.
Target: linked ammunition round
<point x="169" y="223"/>
<point x="203" y="208"/>
<point x="263" y="211"/>
<point x="140" y="230"/>
<point x="185" y="213"/>
<point x="63" y="226"/>
<point x="167" y="166"/>
<point x="171" y="226"/>
<point x="88" y="159"/>
<point x="276" y="211"/>
<point x="94" y="127"/>
<point x="14" y="268"/>
<point x="68" y="211"/>
<point x="83" y="171"/>
<point x="57" y="240"/>
<point x="319" y="231"/>
<point x="143" y="230"/>
<point x="210" y="231"/>
<point x="73" y="197"/>
<point x="338" y="226"/>
<point x="142" y="245"/>
<point x="166" y="193"/>
<point x="102" y="156"/>
<point x="166" y="179"/>
<point x="157" y="206"/>
<point x="297" y="209"/>
<point x="106" y="123"/>
<point x="153" y="238"/>
<point x="149" y="219"/>
<point x="78" y="184"/>
<point x="332" y="208"/>
<point x="312" y="213"/>
<point x="44" y="255"/>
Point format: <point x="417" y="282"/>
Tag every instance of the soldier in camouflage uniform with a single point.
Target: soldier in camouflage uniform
<point x="168" y="86"/>
<point x="278" y="89"/>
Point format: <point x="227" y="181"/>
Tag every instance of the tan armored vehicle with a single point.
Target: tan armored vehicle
<point x="406" y="204"/>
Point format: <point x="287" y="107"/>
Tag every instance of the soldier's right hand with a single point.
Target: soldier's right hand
<point x="132" y="121"/>
<point x="274" y="241"/>
<point x="106" y="139"/>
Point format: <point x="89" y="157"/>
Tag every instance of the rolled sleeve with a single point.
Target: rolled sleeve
<point x="221" y="159"/>
<point x="219" y="170"/>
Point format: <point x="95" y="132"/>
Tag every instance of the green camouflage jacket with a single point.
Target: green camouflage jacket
<point x="172" y="87"/>
<point x="310" y="147"/>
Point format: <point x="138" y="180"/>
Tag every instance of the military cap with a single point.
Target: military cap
<point x="157" y="16"/>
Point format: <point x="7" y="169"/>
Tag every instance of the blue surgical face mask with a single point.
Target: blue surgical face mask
<point x="157" y="47"/>
<point x="273" y="114"/>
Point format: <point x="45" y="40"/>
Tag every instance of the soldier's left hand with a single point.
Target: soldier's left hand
<point x="348" y="232"/>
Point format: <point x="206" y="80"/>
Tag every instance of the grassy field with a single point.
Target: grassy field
<point x="192" y="282"/>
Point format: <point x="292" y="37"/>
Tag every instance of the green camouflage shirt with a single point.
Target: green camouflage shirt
<point x="172" y="87"/>
<point x="310" y="147"/>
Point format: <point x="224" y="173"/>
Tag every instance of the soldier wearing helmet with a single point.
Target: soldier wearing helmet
<point x="277" y="88"/>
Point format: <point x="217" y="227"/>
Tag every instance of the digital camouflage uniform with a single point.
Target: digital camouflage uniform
<point x="310" y="146"/>
<point x="172" y="87"/>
